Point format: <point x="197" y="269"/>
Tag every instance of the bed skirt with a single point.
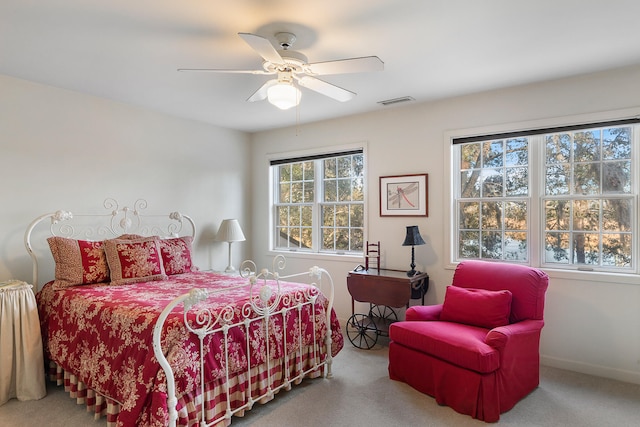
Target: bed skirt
<point x="190" y="405"/>
<point x="95" y="403"/>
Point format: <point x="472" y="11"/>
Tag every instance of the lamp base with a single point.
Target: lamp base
<point x="413" y="271"/>
<point x="230" y="268"/>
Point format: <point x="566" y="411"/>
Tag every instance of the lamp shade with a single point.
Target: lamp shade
<point x="230" y="231"/>
<point x="413" y="236"/>
<point x="283" y="95"/>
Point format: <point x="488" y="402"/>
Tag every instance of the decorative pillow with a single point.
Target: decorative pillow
<point x="135" y="260"/>
<point x="476" y="307"/>
<point x="78" y="262"/>
<point x="129" y="237"/>
<point x="176" y="255"/>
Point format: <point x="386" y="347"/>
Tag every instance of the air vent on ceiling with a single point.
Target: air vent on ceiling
<point x="396" y="100"/>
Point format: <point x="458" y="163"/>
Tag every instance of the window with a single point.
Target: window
<point x="588" y="203"/>
<point x="562" y="197"/>
<point x="493" y="202"/>
<point x="319" y="203"/>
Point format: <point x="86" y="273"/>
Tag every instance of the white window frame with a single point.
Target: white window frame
<point x="317" y="204"/>
<point x="536" y="182"/>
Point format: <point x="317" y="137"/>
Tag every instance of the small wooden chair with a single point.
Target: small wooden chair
<point x="372" y="256"/>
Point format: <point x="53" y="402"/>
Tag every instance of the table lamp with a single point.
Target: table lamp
<point x="412" y="239"/>
<point x="230" y="232"/>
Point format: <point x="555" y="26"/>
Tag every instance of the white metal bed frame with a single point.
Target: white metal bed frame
<point x="261" y="308"/>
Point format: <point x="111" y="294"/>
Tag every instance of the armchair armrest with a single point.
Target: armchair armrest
<point x="500" y="336"/>
<point x="423" y="312"/>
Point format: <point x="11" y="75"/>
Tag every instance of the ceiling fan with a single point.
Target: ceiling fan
<point x="291" y="66"/>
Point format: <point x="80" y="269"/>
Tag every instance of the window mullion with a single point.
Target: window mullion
<point x="535" y="213"/>
<point x="317" y="208"/>
<point x="635" y="190"/>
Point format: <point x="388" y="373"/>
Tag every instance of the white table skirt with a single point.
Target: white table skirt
<point x="21" y="358"/>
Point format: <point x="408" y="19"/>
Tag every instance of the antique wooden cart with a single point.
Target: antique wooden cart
<point x="384" y="290"/>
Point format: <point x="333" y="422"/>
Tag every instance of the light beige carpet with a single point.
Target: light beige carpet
<point x="361" y="394"/>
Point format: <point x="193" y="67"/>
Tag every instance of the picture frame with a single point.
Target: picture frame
<point x="404" y="195"/>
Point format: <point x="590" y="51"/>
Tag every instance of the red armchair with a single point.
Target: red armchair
<point x="478" y="352"/>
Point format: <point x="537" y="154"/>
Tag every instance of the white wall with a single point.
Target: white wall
<point x="591" y="326"/>
<point x="65" y="150"/>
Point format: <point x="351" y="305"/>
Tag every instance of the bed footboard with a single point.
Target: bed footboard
<point x="269" y="311"/>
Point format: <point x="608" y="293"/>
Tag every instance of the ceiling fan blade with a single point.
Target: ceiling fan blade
<point x="263" y="47"/>
<point x="216" y="70"/>
<point x="343" y="66"/>
<point x="261" y="93"/>
<point x="327" y="89"/>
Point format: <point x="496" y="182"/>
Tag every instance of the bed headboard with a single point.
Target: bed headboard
<point x="100" y="226"/>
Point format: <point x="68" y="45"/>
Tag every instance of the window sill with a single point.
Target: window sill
<point x="593" y="276"/>
<point x="350" y="258"/>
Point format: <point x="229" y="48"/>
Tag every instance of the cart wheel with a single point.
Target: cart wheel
<point x="383" y="312"/>
<point x="361" y="331"/>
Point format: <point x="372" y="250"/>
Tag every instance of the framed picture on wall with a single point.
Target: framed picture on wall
<point x="404" y="195"/>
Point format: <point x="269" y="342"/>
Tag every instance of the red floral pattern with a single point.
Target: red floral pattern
<point x="176" y="255"/>
<point x="78" y="262"/>
<point x="132" y="261"/>
<point x="103" y="334"/>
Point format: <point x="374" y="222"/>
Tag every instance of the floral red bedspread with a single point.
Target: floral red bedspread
<point x="103" y="335"/>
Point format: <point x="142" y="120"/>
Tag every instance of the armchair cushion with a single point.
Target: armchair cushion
<point x="461" y="345"/>
<point x="476" y="307"/>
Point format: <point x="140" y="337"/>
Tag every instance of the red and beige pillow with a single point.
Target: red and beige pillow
<point x="476" y="307"/>
<point x="128" y="258"/>
<point x="78" y="262"/>
<point x="134" y="260"/>
<point x="176" y="255"/>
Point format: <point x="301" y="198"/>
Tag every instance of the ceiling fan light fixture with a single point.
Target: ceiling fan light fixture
<point x="291" y="65"/>
<point x="284" y="95"/>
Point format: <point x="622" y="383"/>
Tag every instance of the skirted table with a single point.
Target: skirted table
<point x="21" y="358"/>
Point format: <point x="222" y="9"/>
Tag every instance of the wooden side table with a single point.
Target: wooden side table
<point x="392" y="288"/>
<point x="383" y="290"/>
<point x="21" y="357"/>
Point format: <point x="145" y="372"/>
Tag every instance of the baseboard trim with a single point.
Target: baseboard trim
<point x="587" y="368"/>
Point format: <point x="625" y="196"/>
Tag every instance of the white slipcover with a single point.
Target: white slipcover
<point x="21" y="358"/>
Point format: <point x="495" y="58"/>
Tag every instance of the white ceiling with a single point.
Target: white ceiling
<point x="129" y="50"/>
